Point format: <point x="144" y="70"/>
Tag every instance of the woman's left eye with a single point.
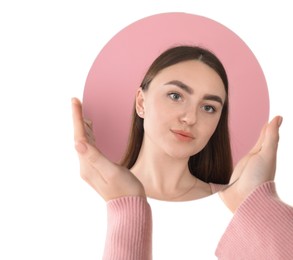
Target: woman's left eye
<point x="209" y="109"/>
<point x="175" y="96"/>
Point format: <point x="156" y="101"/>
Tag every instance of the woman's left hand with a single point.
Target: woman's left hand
<point x="256" y="168"/>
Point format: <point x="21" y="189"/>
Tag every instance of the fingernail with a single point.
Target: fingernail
<point x="74" y="100"/>
<point x="280" y="121"/>
<point x="80" y="147"/>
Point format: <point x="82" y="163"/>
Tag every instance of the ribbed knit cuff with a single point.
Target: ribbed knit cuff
<point x="262" y="228"/>
<point x="129" y="231"/>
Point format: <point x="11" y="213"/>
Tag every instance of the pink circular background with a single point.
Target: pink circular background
<point x="120" y="66"/>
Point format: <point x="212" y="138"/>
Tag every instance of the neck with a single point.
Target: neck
<point x="162" y="175"/>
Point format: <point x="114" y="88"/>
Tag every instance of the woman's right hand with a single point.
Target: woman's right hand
<point x="256" y="168"/>
<point x="110" y="180"/>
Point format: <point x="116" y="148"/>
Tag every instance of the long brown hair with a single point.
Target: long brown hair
<point x="214" y="162"/>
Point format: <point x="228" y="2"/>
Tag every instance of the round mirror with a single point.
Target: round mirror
<point x="120" y="66"/>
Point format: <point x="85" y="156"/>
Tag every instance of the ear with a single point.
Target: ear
<point x="140" y="103"/>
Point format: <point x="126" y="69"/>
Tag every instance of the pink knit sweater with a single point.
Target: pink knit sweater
<point x="261" y="229"/>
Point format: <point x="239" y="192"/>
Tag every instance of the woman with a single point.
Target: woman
<point x="179" y="147"/>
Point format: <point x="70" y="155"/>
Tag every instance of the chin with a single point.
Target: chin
<point x="180" y="156"/>
<point x="180" y="152"/>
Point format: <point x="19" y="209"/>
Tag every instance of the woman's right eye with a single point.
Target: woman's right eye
<point x="175" y="96"/>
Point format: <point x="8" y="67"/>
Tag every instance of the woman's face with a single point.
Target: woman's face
<point x="182" y="108"/>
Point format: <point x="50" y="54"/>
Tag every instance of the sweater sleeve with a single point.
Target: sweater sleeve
<point x="261" y="228"/>
<point x="129" y="230"/>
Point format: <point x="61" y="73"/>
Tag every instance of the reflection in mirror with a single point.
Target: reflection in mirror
<point x="119" y="68"/>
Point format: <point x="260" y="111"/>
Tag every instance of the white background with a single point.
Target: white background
<point x="46" y="51"/>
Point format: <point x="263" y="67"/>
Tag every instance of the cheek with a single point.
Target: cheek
<point x="204" y="138"/>
<point x="208" y="129"/>
<point x="157" y="111"/>
<point x="158" y="119"/>
<point x="153" y="113"/>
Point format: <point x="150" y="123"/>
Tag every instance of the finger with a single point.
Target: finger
<point x="79" y="131"/>
<point x="98" y="161"/>
<point x="88" y="122"/>
<point x="271" y="138"/>
<point x="92" y="157"/>
<point x="90" y="134"/>
<point x="258" y="146"/>
<point x="242" y="163"/>
<point x="92" y="177"/>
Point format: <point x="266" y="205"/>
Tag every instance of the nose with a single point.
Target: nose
<point x="189" y="116"/>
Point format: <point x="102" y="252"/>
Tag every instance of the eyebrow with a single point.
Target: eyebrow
<point x="214" y="98"/>
<point x="189" y="90"/>
<point x="181" y="85"/>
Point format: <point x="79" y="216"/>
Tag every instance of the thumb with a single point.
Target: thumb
<point x="271" y="137"/>
<point x="96" y="159"/>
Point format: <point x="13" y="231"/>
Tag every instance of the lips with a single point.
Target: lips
<point x="183" y="135"/>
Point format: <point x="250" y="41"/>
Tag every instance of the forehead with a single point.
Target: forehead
<point x="196" y="74"/>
